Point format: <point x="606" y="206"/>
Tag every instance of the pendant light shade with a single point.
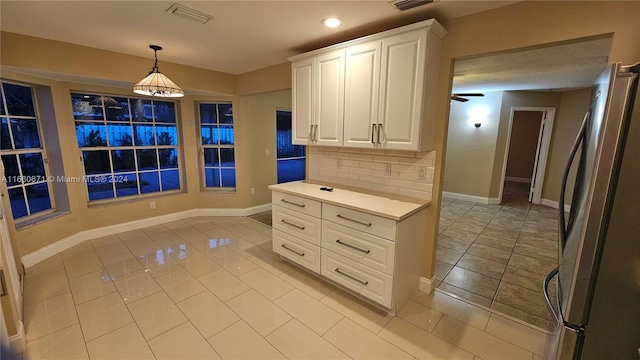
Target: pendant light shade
<point x="155" y="83"/>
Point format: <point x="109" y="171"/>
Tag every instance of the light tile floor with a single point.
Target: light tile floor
<point x="498" y="255"/>
<point x="210" y="287"/>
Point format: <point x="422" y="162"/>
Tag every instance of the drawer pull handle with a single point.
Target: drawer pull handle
<point x="366" y="251"/>
<point x="294" y="225"/>
<point x="363" y="282"/>
<point x="293" y="251"/>
<point x="354" y="220"/>
<point x="292" y="203"/>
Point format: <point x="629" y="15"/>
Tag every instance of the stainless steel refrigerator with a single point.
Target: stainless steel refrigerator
<point x="597" y="298"/>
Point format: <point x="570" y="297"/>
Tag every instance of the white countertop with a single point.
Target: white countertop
<point x="386" y="205"/>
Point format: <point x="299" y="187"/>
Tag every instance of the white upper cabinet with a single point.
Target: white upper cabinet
<point x="318" y="101"/>
<point x="361" y="94"/>
<point x="373" y="92"/>
<point x="401" y="90"/>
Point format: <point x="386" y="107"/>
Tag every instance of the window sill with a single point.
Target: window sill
<point x="133" y="199"/>
<point x="218" y="190"/>
<point x="21" y="225"/>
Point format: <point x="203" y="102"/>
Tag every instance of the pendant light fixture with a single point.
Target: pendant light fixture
<point x="156" y="84"/>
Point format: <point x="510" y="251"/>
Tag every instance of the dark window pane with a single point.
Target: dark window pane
<point x="149" y="182"/>
<point x="38" y="197"/>
<point x="19" y="100"/>
<point x="99" y="187"/>
<point x="116" y="108"/>
<point x="2" y="112"/>
<point x="11" y="170"/>
<point x="226" y="135"/>
<point x="228" y="177"/>
<point x="208" y="114"/>
<point x="119" y="134"/>
<point x="123" y="160"/>
<point x="212" y="177"/>
<point x="144" y="135"/>
<point x="227" y="158"/>
<point x="209" y="135"/>
<point x="91" y="134"/>
<point x="167" y="135"/>
<point x="4" y="135"/>
<point x="141" y="110"/>
<point x="168" y="158"/>
<point x="291" y="170"/>
<point x="170" y="180"/>
<point x="147" y="159"/>
<point x="32" y="166"/>
<point x="165" y="112"/>
<point x="96" y="162"/>
<point x="126" y="184"/>
<point x="226" y="113"/>
<point x="211" y="157"/>
<point x="84" y="109"/>
<point x="18" y="205"/>
<point x="25" y="133"/>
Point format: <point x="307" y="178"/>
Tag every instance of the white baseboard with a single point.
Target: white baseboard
<point x="18" y="342"/>
<point x="75" y="239"/>
<point x="554" y="204"/>
<point x="518" y="179"/>
<point x="427" y="285"/>
<point x="473" y="198"/>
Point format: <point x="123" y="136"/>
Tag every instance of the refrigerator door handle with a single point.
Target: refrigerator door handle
<point x="565" y="177"/>
<point x="545" y="289"/>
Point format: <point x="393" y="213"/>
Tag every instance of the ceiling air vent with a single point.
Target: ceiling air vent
<point x="403" y="5"/>
<point x="189" y="13"/>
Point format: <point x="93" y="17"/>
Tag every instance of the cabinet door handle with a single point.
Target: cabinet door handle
<point x="290" y="224"/>
<point x="366" y="251"/>
<point x="293" y="251"/>
<point x="381" y="131"/>
<point x="292" y="203"/>
<point x="363" y="282"/>
<point x="373" y="131"/>
<point x="354" y="220"/>
<point x="315" y="133"/>
<point x="310" y="132"/>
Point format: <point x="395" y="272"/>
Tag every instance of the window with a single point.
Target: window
<point x="22" y="151"/>
<point x="290" y="158"/>
<point x="216" y="129"/>
<point x="129" y="146"/>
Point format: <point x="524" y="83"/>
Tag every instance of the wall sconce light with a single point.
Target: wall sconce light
<point x="478" y="115"/>
<point x="478" y="124"/>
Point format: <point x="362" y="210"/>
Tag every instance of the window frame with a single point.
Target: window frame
<point x="42" y="150"/>
<point x="134" y="148"/>
<point x="202" y="158"/>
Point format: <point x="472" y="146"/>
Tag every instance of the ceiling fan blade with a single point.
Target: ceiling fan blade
<point x="457" y="98"/>
<point x="469" y="94"/>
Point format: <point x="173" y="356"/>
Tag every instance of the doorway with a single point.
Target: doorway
<point x="527" y="149"/>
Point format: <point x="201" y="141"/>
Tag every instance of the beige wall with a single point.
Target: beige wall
<point x="573" y="105"/>
<point x="523" y="145"/>
<point x="471" y="150"/>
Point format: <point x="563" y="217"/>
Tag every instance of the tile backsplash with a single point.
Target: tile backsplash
<point x="411" y="173"/>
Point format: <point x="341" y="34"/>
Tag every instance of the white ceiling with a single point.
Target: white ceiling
<point x="249" y="35"/>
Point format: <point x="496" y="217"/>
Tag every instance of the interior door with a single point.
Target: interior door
<point x="537" y="161"/>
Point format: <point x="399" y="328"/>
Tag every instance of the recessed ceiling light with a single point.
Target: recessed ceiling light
<point x="331" y="22"/>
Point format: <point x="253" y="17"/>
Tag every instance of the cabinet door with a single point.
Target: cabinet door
<point x="362" y="86"/>
<point x="302" y="75"/>
<point x="401" y="89"/>
<point x="329" y="98"/>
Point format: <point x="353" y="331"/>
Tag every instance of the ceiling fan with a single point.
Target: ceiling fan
<point x="462" y="97"/>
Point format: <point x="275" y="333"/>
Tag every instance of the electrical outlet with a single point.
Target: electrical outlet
<point x="339" y="164"/>
<point x="387" y="169"/>
<point x="253" y="191"/>
<point x="152" y="205"/>
<point x="266" y="152"/>
<point x="422" y="173"/>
